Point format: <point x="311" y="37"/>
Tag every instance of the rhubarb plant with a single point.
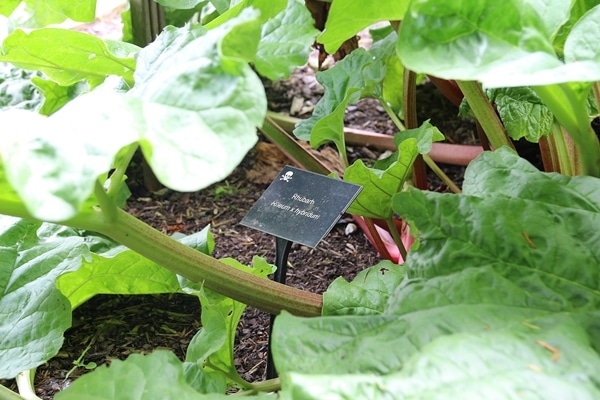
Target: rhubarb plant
<point x="498" y="296"/>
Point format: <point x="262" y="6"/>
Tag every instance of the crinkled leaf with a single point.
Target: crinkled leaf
<point x="211" y="349"/>
<point x="521" y="111"/>
<point x="368" y="298"/>
<point x="359" y="75"/>
<point x="285" y="41"/>
<point x="16" y="89"/>
<point x="81" y="56"/>
<point x="487" y="365"/>
<point x="500" y="45"/>
<point x="375" y="200"/>
<point x="155" y="376"/>
<point x="348" y="17"/>
<point x="500" y="279"/>
<point x="34" y="312"/>
<point x="123" y="271"/>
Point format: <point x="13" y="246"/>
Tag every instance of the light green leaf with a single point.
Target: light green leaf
<point x="123" y="271"/>
<point x="155" y="376"/>
<point x="52" y="163"/>
<point x="375" y="200"/>
<point x="501" y="45"/>
<point x="578" y="9"/>
<point x="195" y="97"/>
<point x="82" y="11"/>
<point x="267" y="8"/>
<point x="425" y="135"/>
<point x="81" y="56"/>
<point x="285" y="41"/>
<point x="211" y="349"/>
<point x="8" y="6"/>
<point x="55" y="95"/>
<point x="553" y="13"/>
<point x="582" y="43"/>
<point x="348" y="17"/>
<point x="34" y="313"/>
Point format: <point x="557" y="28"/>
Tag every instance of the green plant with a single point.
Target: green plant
<point x="498" y="297"/>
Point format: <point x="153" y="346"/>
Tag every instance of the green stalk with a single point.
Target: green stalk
<point x="441" y="174"/>
<point x="396" y="236"/>
<point x="264" y="294"/>
<point x="485" y="114"/>
<point x="569" y="108"/>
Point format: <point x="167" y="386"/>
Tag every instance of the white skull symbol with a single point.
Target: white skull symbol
<point x="287" y="176"/>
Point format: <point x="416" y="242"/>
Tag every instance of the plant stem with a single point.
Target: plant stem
<point x="108" y="207"/>
<point x="264" y="294"/>
<point x="569" y="108"/>
<point x="25" y="384"/>
<point x="485" y="114"/>
<point x="396" y="236"/>
<point x="270" y="385"/>
<point x="441" y="174"/>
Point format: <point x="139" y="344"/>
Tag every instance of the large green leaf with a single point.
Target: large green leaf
<point x="53" y="163"/>
<point x="500" y="44"/>
<point x="155" y="376"/>
<point x="285" y="41"/>
<point x="69" y="56"/>
<point x="34" y="312"/>
<point x="489" y="365"/>
<point x="504" y="285"/>
<point x="348" y="17"/>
